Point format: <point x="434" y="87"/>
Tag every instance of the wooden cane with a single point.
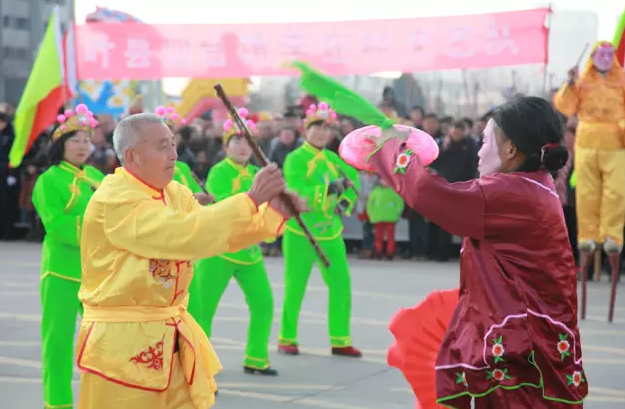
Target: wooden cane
<point x="263" y="161"/>
<point x="579" y="61"/>
<point x="598" y="265"/>
<point x="344" y="176"/>
<point x="199" y="182"/>
<point x="615" y="267"/>
<point x="585" y="258"/>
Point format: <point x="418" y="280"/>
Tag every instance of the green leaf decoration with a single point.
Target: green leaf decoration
<point x="340" y="98"/>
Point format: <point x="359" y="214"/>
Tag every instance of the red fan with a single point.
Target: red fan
<point x="418" y="335"/>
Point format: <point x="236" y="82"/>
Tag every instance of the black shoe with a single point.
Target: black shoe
<point x="390" y="258"/>
<point x="269" y="371"/>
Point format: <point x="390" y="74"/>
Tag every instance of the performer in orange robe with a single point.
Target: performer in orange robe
<point x="513" y="340"/>
<point x="138" y="347"/>
<point x="597" y="97"/>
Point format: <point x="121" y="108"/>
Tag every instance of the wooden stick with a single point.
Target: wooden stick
<point x="344" y="176"/>
<point x="263" y="161"/>
<point x="579" y="61"/>
<point x="615" y="267"/>
<point x="598" y="265"/>
<point x="199" y="182"/>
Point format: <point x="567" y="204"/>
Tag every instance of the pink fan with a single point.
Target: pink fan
<point x="356" y="148"/>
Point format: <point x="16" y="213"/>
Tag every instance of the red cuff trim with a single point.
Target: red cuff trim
<point x="281" y="226"/>
<point x="253" y="201"/>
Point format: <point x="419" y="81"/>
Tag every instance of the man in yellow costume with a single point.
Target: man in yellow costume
<point x="138" y="347"/>
<point x="597" y="97"/>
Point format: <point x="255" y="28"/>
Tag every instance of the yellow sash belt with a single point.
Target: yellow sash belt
<point x="133" y="314"/>
<point x="200" y="378"/>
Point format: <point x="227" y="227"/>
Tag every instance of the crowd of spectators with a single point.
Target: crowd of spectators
<point x="200" y="146"/>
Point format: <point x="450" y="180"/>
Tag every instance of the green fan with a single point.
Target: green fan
<point x="341" y="99"/>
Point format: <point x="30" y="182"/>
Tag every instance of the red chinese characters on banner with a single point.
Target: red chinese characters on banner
<point x="142" y="51"/>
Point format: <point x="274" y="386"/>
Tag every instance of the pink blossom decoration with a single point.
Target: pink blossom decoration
<point x="81" y="109"/>
<point x="227" y="124"/>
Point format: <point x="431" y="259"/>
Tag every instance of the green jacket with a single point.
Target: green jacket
<point x="225" y="179"/>
<point x="184" y="176"/>
<point x="384" y="205"/>
<point x="309" y="171"/>
<point x="61" y="195"/>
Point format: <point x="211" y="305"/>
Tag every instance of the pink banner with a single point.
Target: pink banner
<point x="142" y="51"/>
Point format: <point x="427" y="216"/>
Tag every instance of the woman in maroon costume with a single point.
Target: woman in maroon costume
<point x="513" y="340"/>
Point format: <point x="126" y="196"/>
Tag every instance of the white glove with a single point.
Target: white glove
<point x="11" y="181"/>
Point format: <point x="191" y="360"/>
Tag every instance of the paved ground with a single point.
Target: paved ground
<point x="315" y="379"/>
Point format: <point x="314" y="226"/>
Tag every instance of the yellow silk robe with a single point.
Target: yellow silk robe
<point x="137" y="248"/>
<point x="599" y="102"/>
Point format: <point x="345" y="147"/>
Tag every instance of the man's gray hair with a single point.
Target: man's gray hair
<point x="127" y="131"/>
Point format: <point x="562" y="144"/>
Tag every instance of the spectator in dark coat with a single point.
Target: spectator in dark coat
<point x="457" y="162"/>
<point x="285" y="143"/>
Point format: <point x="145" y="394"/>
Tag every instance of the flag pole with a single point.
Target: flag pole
<point x="545" y="91"/>
<point x="74" y="41"/>
<point x="56" y="11"/>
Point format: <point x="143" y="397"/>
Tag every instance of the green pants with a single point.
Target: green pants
<point x="60" y="308"/>
<point x="211" y="279"/>
<point x="299" y="258"/>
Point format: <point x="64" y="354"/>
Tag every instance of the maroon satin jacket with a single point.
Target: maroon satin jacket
<point x="516" y="321"/>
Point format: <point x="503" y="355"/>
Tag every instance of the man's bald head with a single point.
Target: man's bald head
<point x="145" y="146"/>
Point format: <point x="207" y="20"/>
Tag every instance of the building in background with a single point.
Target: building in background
<point x="22" y="26"/>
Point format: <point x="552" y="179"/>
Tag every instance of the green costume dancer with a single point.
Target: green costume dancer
<point x="315" y="173"/>
<point x="60" y="196"/>
<point x="184" y="176"/>
<point x="228" y="177"/>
